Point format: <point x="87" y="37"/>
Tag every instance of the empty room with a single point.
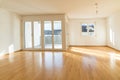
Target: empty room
<point x="59" y="40"/>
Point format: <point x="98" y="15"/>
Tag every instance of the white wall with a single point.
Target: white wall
<point x="75" y="37"/>
<point x="113" y="31"/>
<point x="9" y="32"/>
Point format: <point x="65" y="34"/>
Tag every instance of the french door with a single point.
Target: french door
<point x="43" y="35"/>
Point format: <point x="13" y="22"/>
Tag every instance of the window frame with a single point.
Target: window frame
<point x="88" y="33"/>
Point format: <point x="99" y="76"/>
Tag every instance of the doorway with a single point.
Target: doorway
<point x="43" y="35"/>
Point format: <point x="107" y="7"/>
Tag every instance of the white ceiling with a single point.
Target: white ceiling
<point x="72" y="8"/>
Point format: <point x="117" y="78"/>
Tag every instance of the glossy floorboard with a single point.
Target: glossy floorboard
<point x="79" y="63"/>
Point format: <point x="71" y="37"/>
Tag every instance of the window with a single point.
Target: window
<point x="84" y="29"/>
<point x="88" y="29"/>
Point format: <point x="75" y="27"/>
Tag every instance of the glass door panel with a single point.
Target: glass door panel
<point x="37" y="34"/>
<point x="28" y="34"/>
<point x="47" y="34"/>
<point x="57" y="35"/>
<point x="51" y="37"/>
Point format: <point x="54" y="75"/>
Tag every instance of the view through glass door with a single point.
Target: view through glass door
<point x="50" y="39"/>
<point x="28" y="34"/>
<point x="48" y="43"/>
<point x="57" y="34"/>
<point x="32" y="35"/>
<point x="37" y="34"/>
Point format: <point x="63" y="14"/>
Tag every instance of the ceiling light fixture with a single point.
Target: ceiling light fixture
<point x="96" y="7"/>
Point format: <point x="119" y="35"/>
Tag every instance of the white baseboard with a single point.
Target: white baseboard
<point x="87" y="45"/>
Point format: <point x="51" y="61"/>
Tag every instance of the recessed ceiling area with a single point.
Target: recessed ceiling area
<point x="72" y="8"/>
